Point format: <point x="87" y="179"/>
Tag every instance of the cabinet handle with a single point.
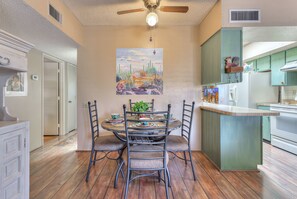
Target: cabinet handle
<point x="25" y="144"/>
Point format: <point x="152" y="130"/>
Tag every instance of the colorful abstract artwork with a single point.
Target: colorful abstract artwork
<point x="139" y="71"/>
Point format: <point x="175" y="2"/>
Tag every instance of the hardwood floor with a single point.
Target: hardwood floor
<point x="58" y="171"/>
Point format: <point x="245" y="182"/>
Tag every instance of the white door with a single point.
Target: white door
<point x="51" y="98"/>
<point x="71" y="98"/>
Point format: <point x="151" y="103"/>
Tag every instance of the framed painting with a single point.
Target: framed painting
<point x="139" y="71"/>
<point x="17" y="85"/>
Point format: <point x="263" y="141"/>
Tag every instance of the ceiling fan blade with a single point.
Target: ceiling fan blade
<point x="130" y="11"/>
<point x="180" y="9"/>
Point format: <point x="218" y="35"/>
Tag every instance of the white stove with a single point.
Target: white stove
<point x="284" y="127"/>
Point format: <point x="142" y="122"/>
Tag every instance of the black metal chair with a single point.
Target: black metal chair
<point x="146" y="148"/>
<point x="105" y="144"/>
<point x="151" y="105"/>
<point x="181" y="143"/>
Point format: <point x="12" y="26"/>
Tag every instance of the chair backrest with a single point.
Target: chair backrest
<point x="151" y="105"/>
<point x="93" y="113"/>
<point x="154" y="134"/>
<point x="187" y="118"/>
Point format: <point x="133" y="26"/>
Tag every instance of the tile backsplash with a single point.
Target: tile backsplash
<point x="289" y="94"/>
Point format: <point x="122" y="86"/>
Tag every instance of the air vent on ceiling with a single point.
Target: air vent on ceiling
<point x="55" y="13"/>
<point x="244" y="15"/>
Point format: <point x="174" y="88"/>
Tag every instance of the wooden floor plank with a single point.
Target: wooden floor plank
<point x="270" y="185"/>
<point x="58" y="171"/>
<point x="178" y="186"/>
<point x="185" y="171"/>
<point x="223" y="184"/>
<point x="134" y="189"/>
<point x="101" y="185"/>
<point x="210" y="188"/>
<point x="111" y="192"/>
<point x="62" y="177"/>
<point x="68" y="187"/>
<point x="45" y="175"/>
<point x="84" y="188"/>
<point x="244" y="190"/>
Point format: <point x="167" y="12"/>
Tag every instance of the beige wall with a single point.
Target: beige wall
<point x="97" y="68"/>
<point x="70" y="26"/>
<point x="211" y="23"/>
<point x="273" y="12"/>
<point x="29" y="107"/>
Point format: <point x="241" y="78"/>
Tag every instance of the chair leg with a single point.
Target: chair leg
<point x="193" y="169"/>
<point x="159" y="176"/>
<point x="120" y="152"/>
<point x="95" y="157"/>
<point x="185" y="157"/>
<point x="90" y="164"/>
<point x="168" y="175"/>
<point x="127" y="183"/>
<point x="166" y="184"/>
<point x="120" y="165"/>
<point x="122" y="172"/>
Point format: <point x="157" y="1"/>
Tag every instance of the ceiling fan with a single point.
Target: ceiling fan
<point x="152" y="17"/>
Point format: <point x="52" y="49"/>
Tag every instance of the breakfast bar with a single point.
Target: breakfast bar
<point x="232" y="136"/>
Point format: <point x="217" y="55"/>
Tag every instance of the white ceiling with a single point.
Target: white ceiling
<point x="261" y="41"/>
<point x="104" y="12"/>
<point x="22" y="21"/>
<point x="269" y="34"/>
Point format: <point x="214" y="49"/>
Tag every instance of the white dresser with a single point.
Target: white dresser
<point x="14" y="134"/>
<point x="14" y="160"/>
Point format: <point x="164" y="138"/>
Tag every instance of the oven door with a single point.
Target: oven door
<point x="284" y="130"/>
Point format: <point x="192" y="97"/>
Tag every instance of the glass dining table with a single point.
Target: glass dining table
<point x="118" y="126"/>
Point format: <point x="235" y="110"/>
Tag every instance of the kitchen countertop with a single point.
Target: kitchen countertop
<point x="236" y="111"/>
<point x="266" y="103"/>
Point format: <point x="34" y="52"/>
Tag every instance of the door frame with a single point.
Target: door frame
<point x="62" y="94"/>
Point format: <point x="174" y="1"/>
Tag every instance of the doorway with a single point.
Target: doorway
<point x="51" y="97"/>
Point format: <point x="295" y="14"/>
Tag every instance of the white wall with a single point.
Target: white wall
<point x="97" y="68"/>
<point x="29" y="107"/>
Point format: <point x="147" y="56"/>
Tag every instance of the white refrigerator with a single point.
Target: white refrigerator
<point x="255" y="88"/>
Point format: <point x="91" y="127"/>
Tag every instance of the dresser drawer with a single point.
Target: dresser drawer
<point x="13" y="144"/>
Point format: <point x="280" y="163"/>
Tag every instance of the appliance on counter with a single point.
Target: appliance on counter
<point x="254" y="88"/>
<point x="291" y="66"/>
<point x="284" y="127"/>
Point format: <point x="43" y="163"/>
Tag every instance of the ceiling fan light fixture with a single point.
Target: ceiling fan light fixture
<point x="152" y="19"/>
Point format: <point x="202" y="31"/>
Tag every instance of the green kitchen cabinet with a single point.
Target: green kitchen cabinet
<point x="225" y="43"/>
<point x="263" y="64"/>
<point x="291" y="55"/>
<point x="253" y="64"/>
<point x="265" y="124"/>
<point x="279" y="78"/>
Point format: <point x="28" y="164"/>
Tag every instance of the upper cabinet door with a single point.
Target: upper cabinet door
<point x="263" y="64"/>
<point x="210" y="55"/>
<point x="291" y="55"/>
<point x="225" y="43"/>
<point x="278" y="78"/>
